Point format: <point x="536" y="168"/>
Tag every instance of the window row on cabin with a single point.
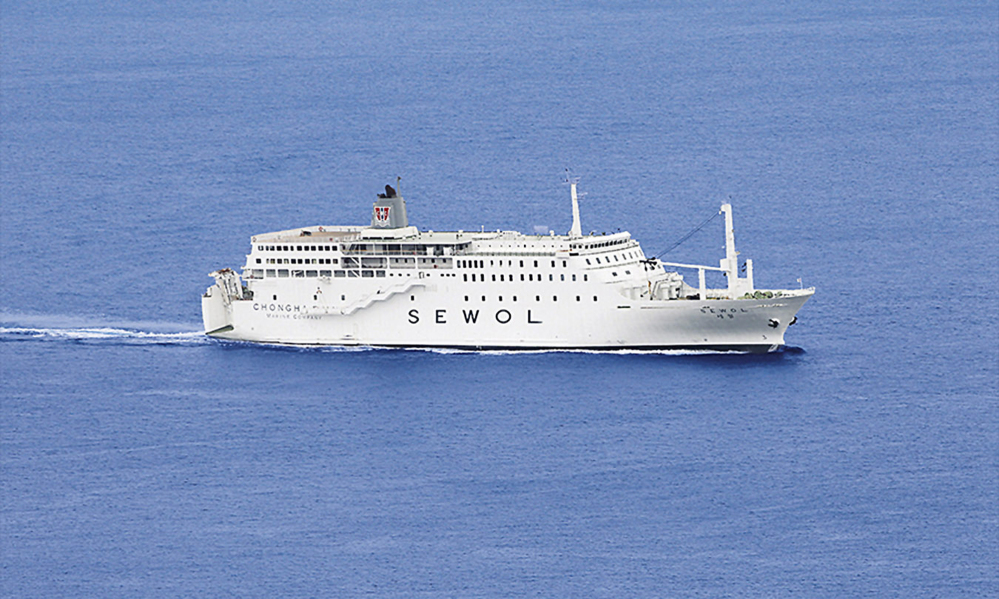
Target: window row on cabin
<point x="590" y="246"/>
<point x="296" y="248"/>
<point x="299" y="261"/>
<point x="270" y="273"/>
<point x="627" y="256"/>
<point x="537" y="298"/>
<point x="352" y="262"/>
<point x="508" y="278"/>
<point x="282" y="273"/>
<point x="482" y="263"/>
<point x="363" y="248"/>
<point x="631" y="255"/>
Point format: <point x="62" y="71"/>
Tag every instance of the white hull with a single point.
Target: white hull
<point x="427" y="317"/>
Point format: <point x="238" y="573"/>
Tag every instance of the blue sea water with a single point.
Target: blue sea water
<point x="142" y="144"/>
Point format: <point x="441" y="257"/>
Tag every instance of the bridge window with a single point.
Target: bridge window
<point x="282" y="274"/>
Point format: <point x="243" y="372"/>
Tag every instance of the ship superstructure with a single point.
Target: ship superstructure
<point x="390" y="284"/>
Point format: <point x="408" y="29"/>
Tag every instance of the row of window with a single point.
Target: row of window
<point x="606" y="259"/>
<point x="537" y="298"/>
<point x="362" y="248"/>
<point x="296" y="248"/>
<point x="300" y="260"/>
<point x="350" y="262"/>
<point x="412" y="298"/>
<point x="481" y="278"/>
<point x="461" y="263"/>
<point x="627" y="256"/>
<point x="282" y="273"/>
<point x="590" y="246"/>
<point x="482" y="263"/>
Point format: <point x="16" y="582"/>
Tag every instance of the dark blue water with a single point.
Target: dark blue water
<point x="141" y="144"/>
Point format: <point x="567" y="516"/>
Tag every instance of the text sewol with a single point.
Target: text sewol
<point x="441" y="316"/>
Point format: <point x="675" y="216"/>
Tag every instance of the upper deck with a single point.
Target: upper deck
<point x="364" y="240"/>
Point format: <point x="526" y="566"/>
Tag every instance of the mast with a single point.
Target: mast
<point x="731" y="256"/>
<point x="730" y="264"/>
<point x="576" y="230"/>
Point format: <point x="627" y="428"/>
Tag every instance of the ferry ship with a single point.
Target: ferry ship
<point x="391" y="285"/>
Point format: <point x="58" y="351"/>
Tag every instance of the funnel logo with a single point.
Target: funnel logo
<point x="382" y="214"/>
